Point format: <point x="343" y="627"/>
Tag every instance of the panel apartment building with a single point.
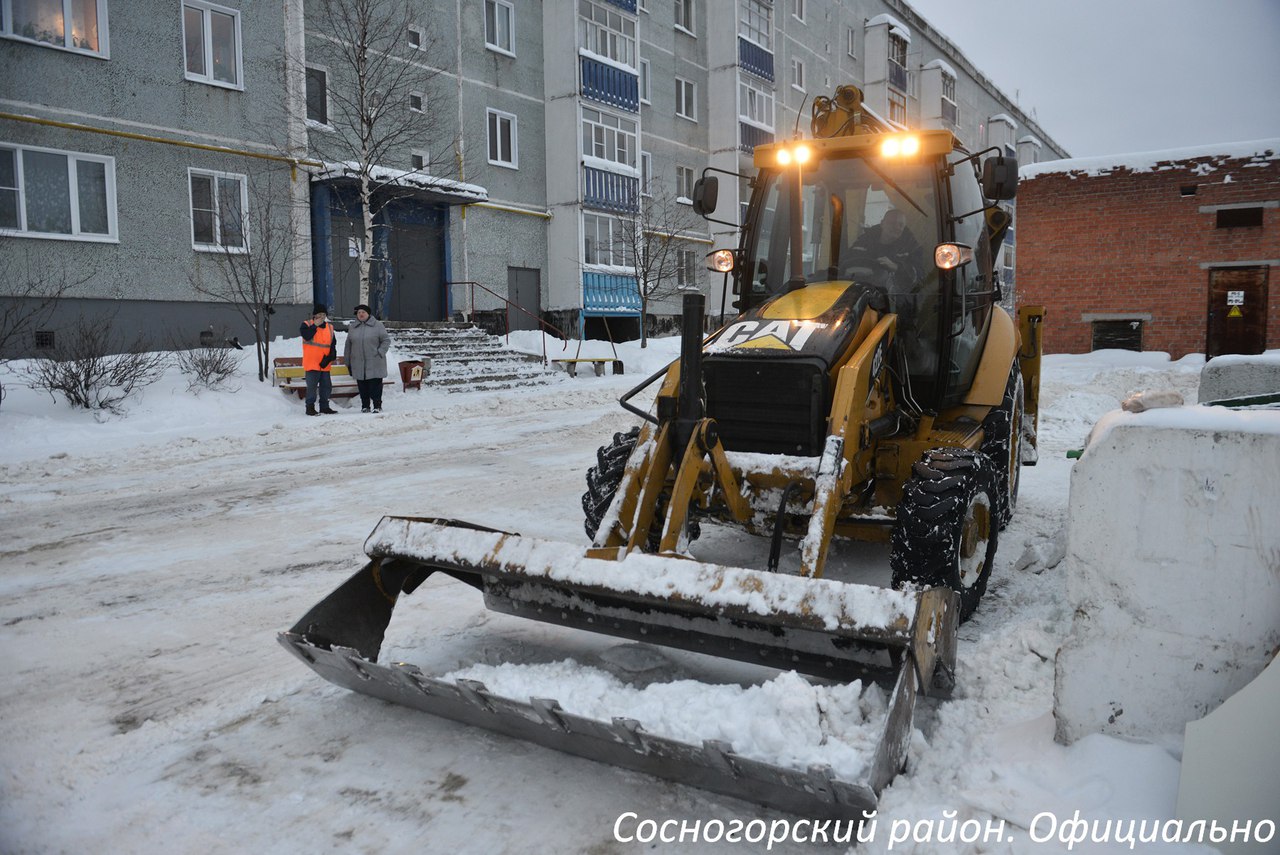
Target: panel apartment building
<point x="143" y="143"/>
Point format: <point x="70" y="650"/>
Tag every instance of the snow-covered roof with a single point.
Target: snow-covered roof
<point x="1256" y="152"/>
<point x="1028" y="138"/>
<point x="896" y="27"/>
<point x="946" y="69"/>
<point x="457" y="191"/>
<point x="1004" y="117"/>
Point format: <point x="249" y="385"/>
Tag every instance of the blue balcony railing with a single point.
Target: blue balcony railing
<point x="898" y="75"/>
<point x="749" y="136"/>
<point x="610" y="191"/>
<point x="610" y="294"/>
<point x="624" y="5"/>
<point x="949" y="111"/>
<point x="610" y="85"/>
<point x="755" y="59"/>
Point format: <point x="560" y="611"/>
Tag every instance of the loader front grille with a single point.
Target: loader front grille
<point x="768" y="406"/>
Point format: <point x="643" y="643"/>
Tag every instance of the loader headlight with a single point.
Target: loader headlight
<point x="798" y="154"/>
<point x="721" y="261"/>
<point x="897" y="146"/>
<point x="949" y="256"/>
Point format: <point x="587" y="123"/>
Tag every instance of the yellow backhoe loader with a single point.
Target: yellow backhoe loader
<point x="870" y="387"/>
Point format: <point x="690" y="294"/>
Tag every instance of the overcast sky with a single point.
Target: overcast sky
<point x="1118" y="76"/>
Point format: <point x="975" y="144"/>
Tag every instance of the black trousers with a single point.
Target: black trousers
<point x="370" y="392"/>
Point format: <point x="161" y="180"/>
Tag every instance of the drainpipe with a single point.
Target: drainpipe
<point x="461" y="157"/>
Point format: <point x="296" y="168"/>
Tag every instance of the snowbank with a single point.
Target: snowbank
<point x="1171" y="560"/>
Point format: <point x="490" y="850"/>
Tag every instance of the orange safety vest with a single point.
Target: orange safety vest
<point x="313" y="351"/>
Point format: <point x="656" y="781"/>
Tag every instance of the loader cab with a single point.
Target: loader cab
<point x="853" y="213"/>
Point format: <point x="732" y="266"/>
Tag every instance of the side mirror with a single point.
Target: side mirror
<point x="706" y="192"/>
<point x="1000" y="177"/>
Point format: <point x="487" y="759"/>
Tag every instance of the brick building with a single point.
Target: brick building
<point x="1171" y="251"/>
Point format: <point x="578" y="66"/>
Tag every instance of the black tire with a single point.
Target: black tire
<point x="604" y="477"/>
<point x="945" y="534"/>
<point x="1002" y="442"/>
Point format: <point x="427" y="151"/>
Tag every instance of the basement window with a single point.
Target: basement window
<point x="1188" y="190"/>
<point x="45" y="340"/>
<point x="1117" y="335"/>
<point x="1239" y="218"/>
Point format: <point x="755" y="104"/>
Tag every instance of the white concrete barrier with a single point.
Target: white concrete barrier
<point x="1173" y="563"/>
<point x="1232" y="376"/>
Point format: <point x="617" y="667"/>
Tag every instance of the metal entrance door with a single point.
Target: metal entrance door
<point x="417" y="264"/>
<point x="525" y="290"/>
<point x="344" y="256"/>
<point x="1237" y="311"/>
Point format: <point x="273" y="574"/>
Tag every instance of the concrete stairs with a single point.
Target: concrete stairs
<point x="464" y="358"/>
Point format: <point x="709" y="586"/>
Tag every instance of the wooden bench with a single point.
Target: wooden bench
<point x="287" y="373"/>
<point x="571" y="365"/>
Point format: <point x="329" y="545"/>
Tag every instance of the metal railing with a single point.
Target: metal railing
<point x="506" y="315"/>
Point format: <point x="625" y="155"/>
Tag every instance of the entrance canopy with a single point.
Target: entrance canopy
<point x="428" y="188"/>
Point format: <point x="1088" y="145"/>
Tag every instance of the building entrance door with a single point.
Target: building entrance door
<point x="523" y="289"/>
<point x="1237" y="311"/>
<point x="417" y="292"/>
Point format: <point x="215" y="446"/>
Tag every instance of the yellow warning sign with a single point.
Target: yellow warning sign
<point x="1235" y="312"/>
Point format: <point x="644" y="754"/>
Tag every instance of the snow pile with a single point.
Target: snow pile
<point x="1171" y="569"/>
<point x="785" y="721"/>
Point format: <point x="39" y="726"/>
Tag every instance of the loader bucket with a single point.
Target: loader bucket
<point x="903" y="640"/>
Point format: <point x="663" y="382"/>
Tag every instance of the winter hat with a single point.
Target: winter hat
<point x="362" y="306"/>
<point x="320" y="309"/>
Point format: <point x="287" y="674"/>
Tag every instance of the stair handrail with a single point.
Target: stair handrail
<point x="471" y="315"/>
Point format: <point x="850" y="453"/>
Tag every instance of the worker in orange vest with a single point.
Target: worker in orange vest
<point x="319" y="349"/>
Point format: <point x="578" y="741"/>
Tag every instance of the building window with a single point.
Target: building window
<point x="797" y="10"/>
<point x="851" y="46"/>
<point x="1187" y="190"/>
<point x="317" y="95"/>
<point x="608" y="137"/>
<point x="898" y="61"/>
<point x="51" y="193"/>
<point x="420" y="160"/>
<point x="643" y="5"/>
<point x="1239" y="218"/>
<point x="604" y="242"/>
<point x="416" y="102"/>
<point x="417" y="38"/>
<point x="755" y="103"/>
<point x="897" y="107"/>
<point x="684" y="184"/>
<point x="606" y="32"/>
<point x="686" y="99"/>
<point x="687" y="269"/>
<point x="46" y="340"/>
<point x="646" y="173"/>
<point x="684" y="16"/>
<point x="644" y="81"/>
<point x="797" y="74"/>
<point x="1117" y="335"/>
<point x="503" y="142"/>
<point x="218" y="204"/>
<point x="950" y="111"/>
<point x="46" y="22"/>
<point x="211" y="36"/>
<point x="756" y="23"/>
<point x="499" y="26"/>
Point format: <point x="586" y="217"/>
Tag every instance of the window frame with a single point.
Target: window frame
<point x="688" y="270"/>
<point x="215" y="174"/>
<point x="422" y="102"/>
<point x="413" y="30"/>
<point x="424" y="156"/>
<point x="611" y="135"/>
<point x="646" y="173"/>
<point x="511" y="27"/>
<point x="316" y="123"/>
<point x="207" y="11"/>
<point x="798" y="74"/>
<point x="686" y="99"/>
<point x="851" y="42"/>
<point x="112" y="235"/>
<point x="897" y="100"/>
<point x="766" y="93"/>
<point x="491" y="113"/>
<point x="686" y="177"/>
<point x="797" y="10"/>
<point x="643" y="72"/>
<point x="100" y="8"/>
<point x="748" y="26"/>
<point x="684" y="21"/>
<point x="591" y="32"/>
<point x="619" y="247"/>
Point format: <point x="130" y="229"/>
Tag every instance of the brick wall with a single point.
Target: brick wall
<point x="1130" y="243"/>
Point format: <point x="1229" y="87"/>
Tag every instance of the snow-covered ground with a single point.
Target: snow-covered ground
<point x="150" y="559"/>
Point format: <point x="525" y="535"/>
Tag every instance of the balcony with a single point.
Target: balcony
<point x="753" y="58"/>
<point x="949" y="111"/>
<point x="624" y="5"/>
<point x="749" y="136"/>
<point x="610" y="85"/>
<point x="898" y="75"/>
<point x="610" y="294"/>
<point x="610" y="191"/>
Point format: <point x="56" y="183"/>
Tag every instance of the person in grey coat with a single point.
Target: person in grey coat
<point x="366" y="356"/>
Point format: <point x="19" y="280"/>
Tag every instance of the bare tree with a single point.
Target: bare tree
<point x="657" y="240"/>
<point x="32" y="293"/>
<point x="92" y="369"/>
<point x="378" y="87"/>
<point x="257" y="275"/>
